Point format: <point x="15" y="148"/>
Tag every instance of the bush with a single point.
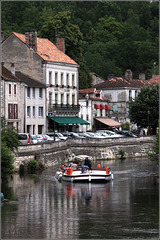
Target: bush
<point x="125" y="126"/>
<point x="33" y="166"/>
<point x="122" y="154"/>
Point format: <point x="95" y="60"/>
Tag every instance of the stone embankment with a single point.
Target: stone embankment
<point x="55" y="153"/>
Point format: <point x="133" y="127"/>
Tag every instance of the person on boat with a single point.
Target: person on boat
<point x="87" y="162"/>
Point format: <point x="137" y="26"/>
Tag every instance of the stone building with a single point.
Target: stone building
<point x="41" y="60"/>
<point x="120" y="91"/>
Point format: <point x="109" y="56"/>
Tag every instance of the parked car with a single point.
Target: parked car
<point x="72" y="135"/>
<point x="24" y="138"/>
<point x="127" y="133"/>
<point x="52" y="134"/>
<point x="110" y="133"/>
<point x="34" y="139"/>
<point x="40" y="138"/>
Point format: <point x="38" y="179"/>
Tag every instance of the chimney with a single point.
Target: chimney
<point x="61" y="44"/>
<point x="13" y="69"/>
<point x="128" y="74"/>
<point x="110" y="76"/>
<point x="31" y="39"/>
<point x="2" y="35"/>
<point x="142" y="76"/>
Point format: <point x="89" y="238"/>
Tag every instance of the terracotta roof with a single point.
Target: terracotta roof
<point x="7" y="75"/>
<point x="29" y="81"/>
<point x="48" y="51"/>
<point x="99" y="99"/>
<point x="89" y="90"/>
<point x="119" y="82"/>
<point x="155" y="79"/>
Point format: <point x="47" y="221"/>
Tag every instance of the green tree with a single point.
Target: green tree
<point x="9" y="142"/>
<point x="154" y="156"/>
<point x="144" y="109"/>
<point x="60" y="25"/>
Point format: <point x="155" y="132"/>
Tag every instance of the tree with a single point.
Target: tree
<point x="144" y="109"/>
<point x="154" y="156"/>
<point x="9" y="143"/>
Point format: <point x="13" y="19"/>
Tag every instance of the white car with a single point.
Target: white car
<point x="34" y="139"/>
<point x="110" y="133"/>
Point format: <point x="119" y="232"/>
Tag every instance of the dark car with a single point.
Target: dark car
<point x="72" y="135"/>
<point x="126" y="133"/>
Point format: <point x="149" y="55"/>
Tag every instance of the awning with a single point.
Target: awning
<point x="102" y="106"/>
<point x="96" y="106"/>
<point x="109" y="122"/>
<point x="107" y="107"/>
<point x="69" y="120"/>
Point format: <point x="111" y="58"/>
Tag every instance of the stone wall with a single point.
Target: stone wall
<point x="55" y="153"/>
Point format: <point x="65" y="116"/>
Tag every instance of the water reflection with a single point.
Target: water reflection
<point x="41" y="207"/>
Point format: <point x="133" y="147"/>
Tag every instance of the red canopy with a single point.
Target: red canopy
<point x="102" y="106"/>
<point x="96" y="106"/>
<point x="107" y="107"/>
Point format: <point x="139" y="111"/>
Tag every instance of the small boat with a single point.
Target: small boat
<point x="74" y="173"/>
<point x="85" y="174"/>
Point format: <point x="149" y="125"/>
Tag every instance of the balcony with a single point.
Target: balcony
<point x="64" y="109"/>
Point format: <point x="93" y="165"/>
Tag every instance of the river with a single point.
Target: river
<point x="39" y="207"/>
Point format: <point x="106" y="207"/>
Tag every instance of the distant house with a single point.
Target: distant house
<point x="95" y="109"/>
<point x="120" y="91"/>
<point x="41" y="60"/>
<point x="34" y="104"/>
<point x="11" y="99"/>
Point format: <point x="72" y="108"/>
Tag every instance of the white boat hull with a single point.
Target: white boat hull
<point x="88" y="176"/>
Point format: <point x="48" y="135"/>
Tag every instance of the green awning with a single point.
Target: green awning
<point x="69" y="120"/>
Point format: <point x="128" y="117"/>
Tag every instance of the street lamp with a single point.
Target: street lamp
<point x="54" y="114"/>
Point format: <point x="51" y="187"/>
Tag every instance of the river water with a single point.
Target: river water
<point x="39" y="207"/>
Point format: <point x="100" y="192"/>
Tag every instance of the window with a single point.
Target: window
<point x="15" y="89"/>
<point x="40" y="93"/>
<point x="136" y="93"/>
<point x="12" y="111"/>
<point x="50" y="100"/>
<point x="130" y="95"/>
<point x="62" y="98"/>
<point x="67" y="79"/>
<point x="56" y="98"/>
<point x="28" y="111"/>
<point x="50" y="78"/>
<point x="73" y="82"/>
<point x="9" y="88"/>
<point x="56" y="78"/>
<point x="73" y="99"/>
<point x="28" y="92"/>
<point x="61" y="78"/>
<point x="67" y="98"/>
<point x="87" y="117"/>
<point x="33" y="93"/>
<point x="40" y="112"/>
<point x="34" y="111"/>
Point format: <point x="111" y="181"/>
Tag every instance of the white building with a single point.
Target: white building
<point x="41" y="60"/>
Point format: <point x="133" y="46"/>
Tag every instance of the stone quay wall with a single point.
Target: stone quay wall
<point x="56" y="153"/>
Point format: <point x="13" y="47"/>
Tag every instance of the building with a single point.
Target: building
<point x="34" y="104"/>
<point x="120" y="91"/>
<point x="12" y="96"/>
<point x="41" y="60"/>
<point x="95" y="109"/>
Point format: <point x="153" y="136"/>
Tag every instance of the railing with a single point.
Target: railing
<point x="65" y="108"/>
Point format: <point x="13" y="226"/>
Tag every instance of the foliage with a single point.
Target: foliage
<point x="7" y="159"/>
<point x="154" y="156"/>
<point x="122" y="154"/>
<point x="144" y="110"/>
<point x="125" y="126"/>
<point x="101" y="36"/>
<point x="33" y="166"/>
<point x="9" y="142"/>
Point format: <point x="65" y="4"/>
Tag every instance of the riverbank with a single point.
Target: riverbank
<point x="54" y="153"/>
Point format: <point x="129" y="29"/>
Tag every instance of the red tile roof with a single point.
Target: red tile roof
<point x="119" y="82"/>
<point x="90" y="90"/>
<point x="155" y="79"/>
<point x="48" y="51"/>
